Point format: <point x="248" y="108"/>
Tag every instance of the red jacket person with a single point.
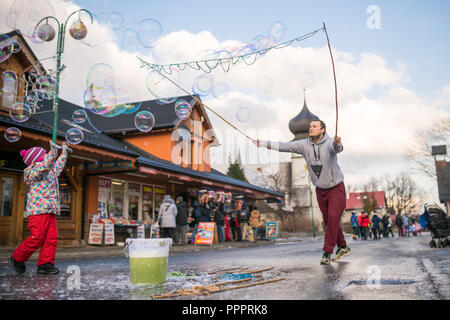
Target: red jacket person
<point x="43" y="204"/>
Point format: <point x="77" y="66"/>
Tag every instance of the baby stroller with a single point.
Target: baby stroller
<point x="439" y="224"/>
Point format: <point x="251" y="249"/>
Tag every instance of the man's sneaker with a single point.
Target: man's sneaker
<point x="342" y="252"/>
<point x="47" y="268"/>
<point x="18" y="267"/>
<point x="326" y="258"/>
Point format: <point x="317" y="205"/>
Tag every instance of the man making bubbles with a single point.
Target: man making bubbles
<point x="320" y="152"/>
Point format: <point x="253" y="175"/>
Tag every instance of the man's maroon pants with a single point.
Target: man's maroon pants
<point x="44" y="235"/>
<point x="332" y="204"/>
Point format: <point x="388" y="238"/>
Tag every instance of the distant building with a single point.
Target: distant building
<point x="355" y="201"/>
<point x="355" y="204"/>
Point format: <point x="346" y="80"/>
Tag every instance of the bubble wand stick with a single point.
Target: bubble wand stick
<point x="334" y="74"/>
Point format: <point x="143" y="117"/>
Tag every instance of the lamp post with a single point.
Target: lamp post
<point x="46" y="33"/>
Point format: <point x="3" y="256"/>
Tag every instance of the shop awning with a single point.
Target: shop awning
<point x="207" y="178"/>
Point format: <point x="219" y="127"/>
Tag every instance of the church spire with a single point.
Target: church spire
<point x="299" y="125"/>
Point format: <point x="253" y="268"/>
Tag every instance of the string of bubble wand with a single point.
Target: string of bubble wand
<point x="154" y="67"/>
<point x="198" y="100"/>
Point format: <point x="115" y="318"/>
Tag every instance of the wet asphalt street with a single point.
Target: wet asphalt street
<point x="390" y="268"/>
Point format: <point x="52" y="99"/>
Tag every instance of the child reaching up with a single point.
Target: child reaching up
<point x="43" y="204"/>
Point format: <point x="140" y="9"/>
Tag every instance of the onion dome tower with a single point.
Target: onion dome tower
<point x="299" y="125"/>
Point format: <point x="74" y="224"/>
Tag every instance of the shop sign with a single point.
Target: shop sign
<point x="110" y="165"/>
<point x="147" y="189"/>
<point x="148" y="170"/>
<point x="271" y="230"/>
<point x="109" y="233"/>
<point x="159" y="190"/>
<point x="96" y="233"/>
<point x="11" y="160"/>
<point x="248" y="191"/>
<point x="185" y="178"/>
<point x="207" y="182"/>
<point x="141" y="231"/>
<point x="205" y="233"/>
<point x="105" y="183"/>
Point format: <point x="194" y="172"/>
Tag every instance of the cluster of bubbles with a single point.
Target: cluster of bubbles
<point x="204" y="85"/>
<point x="240" y="57"/>
<point x="18" y="111"/>
<point x="105" y="98"/>
<point x="39" y="87"/>
<point x="24" y="17"/>
<point x="133" y="37"/>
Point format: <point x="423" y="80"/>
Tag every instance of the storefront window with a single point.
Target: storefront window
<point x="65" y="197"/>
<point x="118" y="193"/>
<point x="7" y="187"/>
<point x="147" y="202"/>
<point x="104" y="197"/>
<point x="134" y="192"/>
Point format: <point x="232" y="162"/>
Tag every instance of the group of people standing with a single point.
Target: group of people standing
<point x="232" y="223"/>
<point x="176" y="219"/>
<point x="366" y="226"/>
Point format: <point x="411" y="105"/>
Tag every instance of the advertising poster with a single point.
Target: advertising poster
<point x="205" y="233"/>
<point x="141" y="231"/>
<point x="271" y="230"/>
<point x="109" y="233"/>
<point x="96" y="233"/>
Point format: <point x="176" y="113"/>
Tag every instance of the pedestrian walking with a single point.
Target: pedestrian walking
<point x="181" y="221"/>
<point x="364" y="225"/>
<point x="227" y="226"/>
<point x="320" y="152"/>
<point x="242" y="215"/>
<point x="219" y="220"/>
<point x="376" y="227"/>
<point x="167" y="217"/>
<point x="235" y="228"/>
<point x="255" y="222"/>
<point x="355" y="225"/>
<point x="390" y="228"/>
<point x="195" y="220"/>
<point x="385" y="223"/>
<point x="406" y="225"/>
<point x="399" y="223"/>
<point x="43" y="205"/>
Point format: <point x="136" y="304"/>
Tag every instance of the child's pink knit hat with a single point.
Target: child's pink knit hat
<point x="32" y="155"/>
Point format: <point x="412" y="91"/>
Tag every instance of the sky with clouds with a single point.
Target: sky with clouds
<point x="391" y="65"/>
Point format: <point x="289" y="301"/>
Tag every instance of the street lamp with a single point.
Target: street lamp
<point x="46" y="32"/>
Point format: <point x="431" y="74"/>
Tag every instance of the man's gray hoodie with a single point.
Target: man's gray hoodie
<point x="321" y="159"/>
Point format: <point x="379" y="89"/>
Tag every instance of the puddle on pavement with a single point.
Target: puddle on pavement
<point x="110" y="285"/>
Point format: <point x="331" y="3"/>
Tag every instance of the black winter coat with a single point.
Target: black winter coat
<point x="182" y="215"/>
<point x="219" y="218"/>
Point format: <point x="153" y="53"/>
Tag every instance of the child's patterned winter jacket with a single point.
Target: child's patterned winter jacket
<point x="42" y="178"/>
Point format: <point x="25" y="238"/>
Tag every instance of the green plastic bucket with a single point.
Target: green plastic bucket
<point x="148" y="259"/>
